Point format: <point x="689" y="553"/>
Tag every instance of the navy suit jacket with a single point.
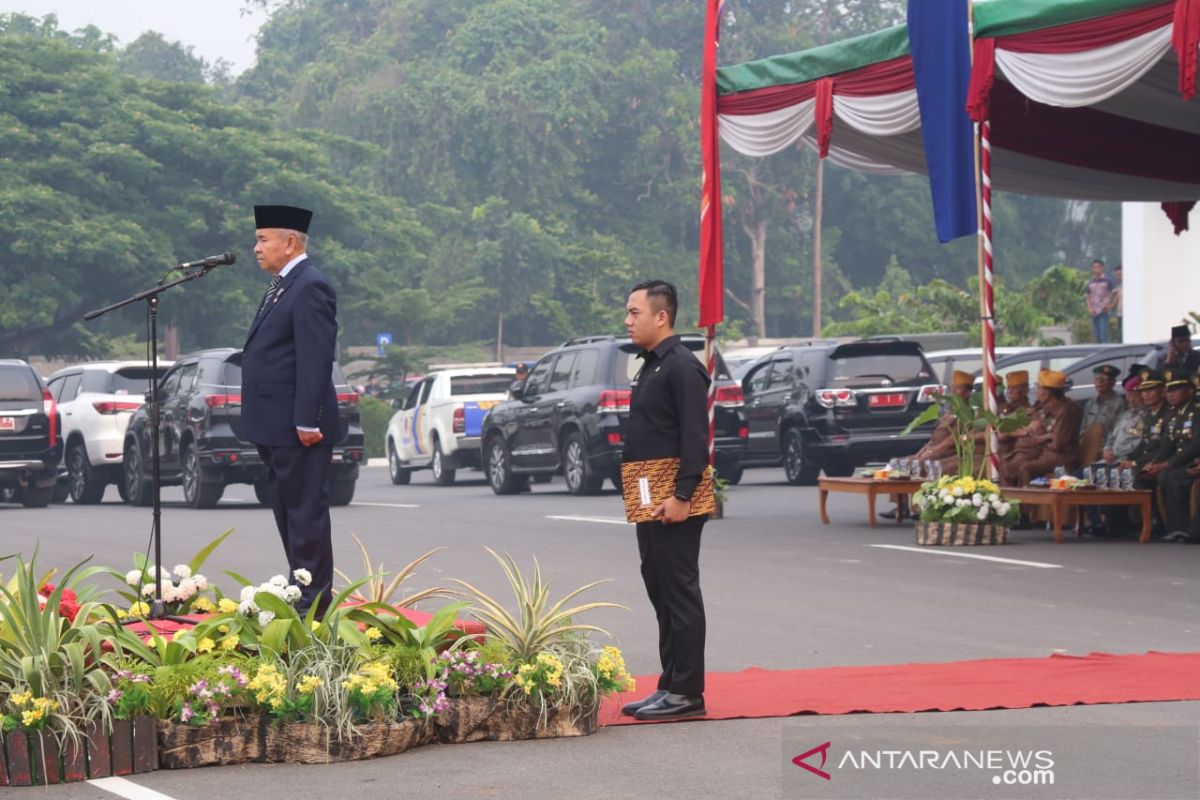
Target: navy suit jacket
<point x="287" y="362"/>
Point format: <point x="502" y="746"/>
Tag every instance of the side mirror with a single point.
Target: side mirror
<point x="517" y="390"/>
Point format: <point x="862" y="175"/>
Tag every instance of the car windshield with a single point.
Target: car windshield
<point x="874" y="368"/>
<point x="480" y="384"/>
<point x="131" y="380"/>
<point x="19" y="383"/>
<point x="628" y="363"/>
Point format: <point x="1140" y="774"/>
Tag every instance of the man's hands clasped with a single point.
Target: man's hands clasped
<point x="672" y="510"/>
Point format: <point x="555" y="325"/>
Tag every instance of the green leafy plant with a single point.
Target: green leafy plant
<point x="970" y="423"/>
<point x="376" y="588"/>
<point x="536" y="625"/>
<point x="183" y="588"/>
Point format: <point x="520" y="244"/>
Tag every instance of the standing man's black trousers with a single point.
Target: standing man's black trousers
<point x="671" y="571"/>
<point x="300" y="498"/>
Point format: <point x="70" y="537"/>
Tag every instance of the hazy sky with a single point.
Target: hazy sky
<point x="215" y="28"/>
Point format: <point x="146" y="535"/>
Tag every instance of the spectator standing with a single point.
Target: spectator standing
<point x="1099" y="298"/>
<point x="1119" y="301"/>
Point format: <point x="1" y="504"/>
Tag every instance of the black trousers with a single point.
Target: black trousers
<point x="671" y="571"/>
<point x="1177" y="492"/>
<point x="300" y="499"/>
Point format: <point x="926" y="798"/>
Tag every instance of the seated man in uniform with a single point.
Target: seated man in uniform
<point x="1052" y="439"/>
<point x="1170" y="467"/>
<point x="1099" y="412"/>
<point x="1016" y="392"/>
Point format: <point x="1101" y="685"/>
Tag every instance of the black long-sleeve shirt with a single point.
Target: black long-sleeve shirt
<point x="668" y="413"/>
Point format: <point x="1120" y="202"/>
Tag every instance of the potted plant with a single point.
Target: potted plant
<point x="966" y="508"/>
<point x="720" y="493"/>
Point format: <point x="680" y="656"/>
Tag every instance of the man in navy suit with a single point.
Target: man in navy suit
<point x="289" y="407"/>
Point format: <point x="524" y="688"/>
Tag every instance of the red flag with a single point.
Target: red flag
<point x="712" y="265"/>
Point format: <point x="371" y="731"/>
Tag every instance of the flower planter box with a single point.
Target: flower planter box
<point x="240" y="740"/>
<point x="478" y="719"/>
<point x="301" y="743"/>
<point x="38" y="759"/>
<point x="233" y="740"/>
<point x="954" y="534"/>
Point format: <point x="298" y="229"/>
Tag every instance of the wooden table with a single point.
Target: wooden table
<point x="1059" y="500"/>
<point x="872" y="488"/>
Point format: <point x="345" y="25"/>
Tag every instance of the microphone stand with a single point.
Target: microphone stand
<point x="158" y="609"/>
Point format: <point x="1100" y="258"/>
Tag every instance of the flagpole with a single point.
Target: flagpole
<point x="712" y="278"/>
<point x="986" y="266"/>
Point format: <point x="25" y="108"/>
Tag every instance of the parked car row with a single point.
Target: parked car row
<point x="89" y="427"/>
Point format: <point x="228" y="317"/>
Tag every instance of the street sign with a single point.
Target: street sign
<point x="382" y="340"/>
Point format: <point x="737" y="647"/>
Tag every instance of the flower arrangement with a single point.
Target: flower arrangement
<point x="372" y="691"/>
<point x="29" y="712"/>
<point x="611" y="674"/>
<point x="277" y="586"/>
<point x="963" y="498"/>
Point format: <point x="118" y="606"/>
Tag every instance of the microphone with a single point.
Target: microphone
<point x="210" y="262"/>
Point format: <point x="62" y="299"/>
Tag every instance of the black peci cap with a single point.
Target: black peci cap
<point x="287" y="217"/>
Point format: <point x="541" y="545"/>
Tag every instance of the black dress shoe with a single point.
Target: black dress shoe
<point x="629" y="709"/>
<point x="889" y="514"/>
<point x="673" y="706"/>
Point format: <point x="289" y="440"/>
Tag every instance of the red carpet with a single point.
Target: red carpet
<point x="1059" y="680"/>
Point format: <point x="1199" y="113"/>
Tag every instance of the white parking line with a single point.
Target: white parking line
<point x="388" y="505"/>
<point x="128" y="789"/>
<point x="605" y="520"/>
<point x="943" y="552"/>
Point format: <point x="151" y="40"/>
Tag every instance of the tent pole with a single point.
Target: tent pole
<point x="987" y="317"/>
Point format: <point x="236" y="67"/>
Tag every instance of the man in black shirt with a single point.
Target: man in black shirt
<point x="668" y="418"/>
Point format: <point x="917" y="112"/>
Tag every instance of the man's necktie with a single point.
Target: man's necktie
<point x="271" y="288"/>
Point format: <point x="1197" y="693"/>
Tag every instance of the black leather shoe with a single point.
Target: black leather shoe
<point x="629" y="709"/>
<point x="889" y="514"/>
<point x="673" y="706"/>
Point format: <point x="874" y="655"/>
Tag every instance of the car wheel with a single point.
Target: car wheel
<point x="499" y="468"/>
<point x="442" y="475"/>
<point x="798" y="471"/>
<point x="264" y="491"/>
<point x="85" y="486"/>
<point x="400" y="476"/>
<point x="137" y="488"/>
<point x="341" y="492"/>
<point x="576" y="469"/>
<point x="731" y="474"/>
<point x="36" y="496"/>
<point x="197" y="493"/>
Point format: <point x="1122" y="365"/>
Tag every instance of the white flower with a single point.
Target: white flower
<point x="182" y="571"/>
<point x="958" y="491"/>
<point x="983" y="513"/>
<point x="248" y="593"/>
<point x="278" y="580"/>
<point x="133" y="577"/>
<point x="976" y="500"/>
<point x="302" y="576"/>
<point x="148" y="590"/>
<point x="164" y="574"/>
<point x="169" y="593"/>
<point x="1003" y="509"/>
<point x="291" y="594"/>
<point x="201" y="582"/>
<point x="247" y="608"/>
<point x="186" y="589"/>
<point x="271" y="588"/>
<point x="993" y="498"/>
<point x="265" y="617"/>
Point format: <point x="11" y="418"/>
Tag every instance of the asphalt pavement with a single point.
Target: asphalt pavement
<point x="782" y="591"/>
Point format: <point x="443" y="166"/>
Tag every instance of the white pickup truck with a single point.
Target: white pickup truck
<point x="438" y="425"/>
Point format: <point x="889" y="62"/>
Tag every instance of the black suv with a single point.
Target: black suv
<point x="30" y="447"/>
<point x="836" y="406"/>
<point x="201" y="444"/>
<point x="568" y="416"/>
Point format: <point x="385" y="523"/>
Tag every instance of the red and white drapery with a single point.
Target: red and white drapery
<point x="1094" y="109"/>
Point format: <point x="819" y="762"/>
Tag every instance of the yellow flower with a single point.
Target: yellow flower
<point x="316" y="626"/>
<point x="203" y="605"/>
<point x="223" y="629"/>
<point x="139" y="609"/>
<point x="309" y="684"/>
<point x="206" y="645"/>
<point x="374" y="634"/>
<point x="21" y="699"/>
<point x="229" y="643"/>
<point x="226" y="606"/>
<point x="30" y="718"/>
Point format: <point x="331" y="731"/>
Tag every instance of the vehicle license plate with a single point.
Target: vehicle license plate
<point x="890" y="400"/>
<point x="8" y="423"/>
